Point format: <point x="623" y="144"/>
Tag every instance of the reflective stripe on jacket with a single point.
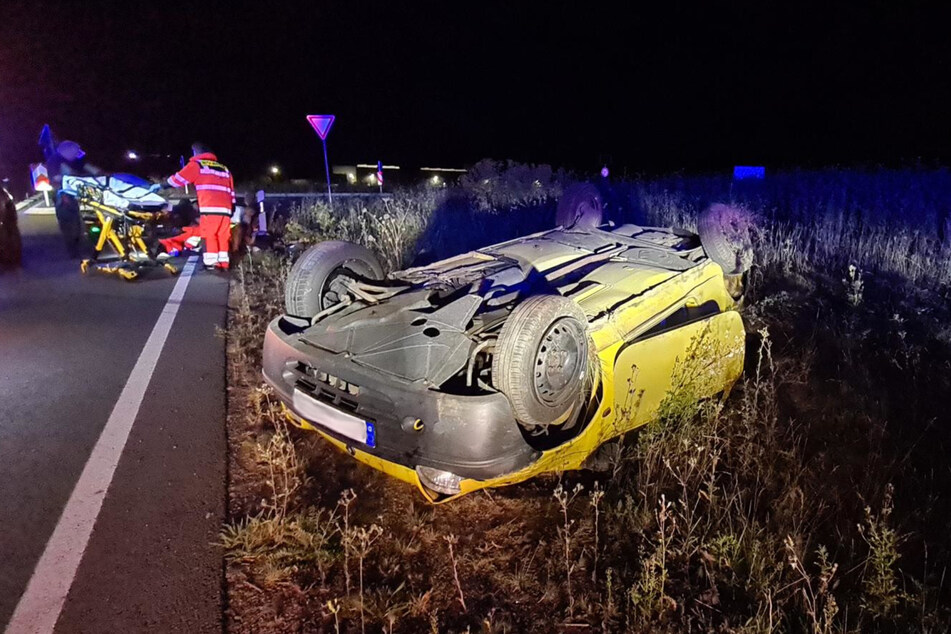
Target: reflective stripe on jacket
<point x="212" y="182"/>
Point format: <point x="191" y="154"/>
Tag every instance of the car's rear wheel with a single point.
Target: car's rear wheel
<point x="541" y="361"/>
<point x="725" y="235"/>
<point x="309" y="284"/>
<point x="579" y="207"/>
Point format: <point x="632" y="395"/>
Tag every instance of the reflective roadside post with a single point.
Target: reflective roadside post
<point x="181" y="161"/>
<point x="41" y="181"/>
<point x="262" y="216"/>
<point x="321" y="124"/>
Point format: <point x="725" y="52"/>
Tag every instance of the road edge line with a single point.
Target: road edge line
<point x="42" y="602"/>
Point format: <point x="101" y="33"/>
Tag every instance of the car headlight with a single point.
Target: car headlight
<point x="439" y="480"/>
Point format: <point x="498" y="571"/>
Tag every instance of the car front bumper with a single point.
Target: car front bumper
<point x="407" y="425"/>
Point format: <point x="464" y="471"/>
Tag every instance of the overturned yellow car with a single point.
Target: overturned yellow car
<point x="513" y="360"/>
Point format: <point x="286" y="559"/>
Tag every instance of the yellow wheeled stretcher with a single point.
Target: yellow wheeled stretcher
<point x="121" y="213"/>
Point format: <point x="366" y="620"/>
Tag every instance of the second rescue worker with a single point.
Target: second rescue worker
<point x="215" y="189"/>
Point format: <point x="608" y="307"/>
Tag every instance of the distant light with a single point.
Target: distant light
<point x="351" y="177"/>
<point x="604" y="172"/>
<point x="442" y="169"/>
<point x="372" y="166"/>
<point x="132" y="155"/>
<point x="275" y="170"/>
<point x="435" y="180"/>
<point x="745" y="172"/>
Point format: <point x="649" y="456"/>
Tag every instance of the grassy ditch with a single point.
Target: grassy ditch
<point x="814" y="498"/>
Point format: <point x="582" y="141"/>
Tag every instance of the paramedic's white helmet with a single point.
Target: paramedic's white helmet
<point x="70" y="150"/>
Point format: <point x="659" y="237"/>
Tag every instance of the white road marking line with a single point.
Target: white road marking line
<point x="40" y="211"/>
<point x="42" y="601"/>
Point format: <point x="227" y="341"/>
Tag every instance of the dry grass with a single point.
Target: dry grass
<point x="813" y="498"/>
<point x="391" y="226"/>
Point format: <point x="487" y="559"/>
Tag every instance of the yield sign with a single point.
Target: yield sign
<point x="321" y="124"/>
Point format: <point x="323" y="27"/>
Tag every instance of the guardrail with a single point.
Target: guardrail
<point x="324" y="195"/>
<point x="32" y="201"/>
<point x="270" y="195"/>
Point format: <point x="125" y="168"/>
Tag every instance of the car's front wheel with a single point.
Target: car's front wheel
<point x="542" y="361"/>
<point x="310" y="287"/>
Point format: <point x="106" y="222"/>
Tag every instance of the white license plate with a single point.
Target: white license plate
<point x="333" y="419"/>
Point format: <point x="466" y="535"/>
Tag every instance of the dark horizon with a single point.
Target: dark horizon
<point x="647" y="89"/>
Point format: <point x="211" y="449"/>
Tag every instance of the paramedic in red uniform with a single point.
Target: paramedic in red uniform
<point x="215" y="189"/>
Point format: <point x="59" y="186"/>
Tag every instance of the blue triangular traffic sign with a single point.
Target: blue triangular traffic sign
<point x="321" y="124"/>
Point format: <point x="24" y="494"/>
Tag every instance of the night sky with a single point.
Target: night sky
<point x="655" y="87"/>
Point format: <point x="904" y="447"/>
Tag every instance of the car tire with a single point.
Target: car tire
<point x="579" y="207"/>
<point x="541" y="361"/>
<point x="725" y="235"/>
<point x="305" y="291"/>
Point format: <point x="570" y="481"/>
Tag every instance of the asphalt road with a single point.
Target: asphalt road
<point x="67" y="346"/>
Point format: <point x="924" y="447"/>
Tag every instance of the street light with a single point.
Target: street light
<point x="275" y="170"/>
<point x="132" y="155"/>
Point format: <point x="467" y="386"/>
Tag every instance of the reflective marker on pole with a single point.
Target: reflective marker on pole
<point x="181" y="161"/>
<point x="41" y="181"/>
<point x="321" y="124"/>
<point x="262" y="216"/>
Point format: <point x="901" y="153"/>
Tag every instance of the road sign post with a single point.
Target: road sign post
<point x="321" y="124"/>
<point x="330" y="198"/>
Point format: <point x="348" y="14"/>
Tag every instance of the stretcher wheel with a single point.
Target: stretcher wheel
<point x="171" y="268"/>
<point x="84" y="266"/>
<point x="128" y="275"/>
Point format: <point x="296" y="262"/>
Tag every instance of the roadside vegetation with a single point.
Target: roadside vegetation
<point x="815" y="498"/>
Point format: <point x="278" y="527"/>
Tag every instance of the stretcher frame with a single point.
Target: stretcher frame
<point x="122" y="229"/>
